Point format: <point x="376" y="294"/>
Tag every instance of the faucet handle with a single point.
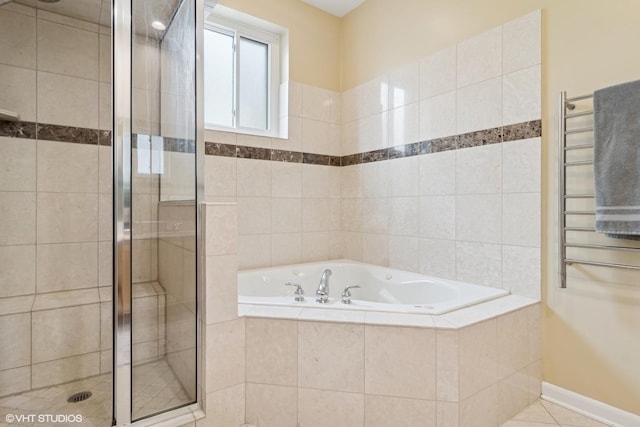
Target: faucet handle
<point x="346" y="295"/>
<point x="299" y="292"/>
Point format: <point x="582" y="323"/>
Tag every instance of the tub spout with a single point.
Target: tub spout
<point x="322" y="293"/>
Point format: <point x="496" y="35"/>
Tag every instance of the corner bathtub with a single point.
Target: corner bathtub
<point x="381" y="288"/>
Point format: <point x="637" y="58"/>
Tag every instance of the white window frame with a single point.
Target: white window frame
<point x="238" y="29"/>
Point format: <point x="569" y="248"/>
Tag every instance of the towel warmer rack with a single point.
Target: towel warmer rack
<point x="564" y="167"/>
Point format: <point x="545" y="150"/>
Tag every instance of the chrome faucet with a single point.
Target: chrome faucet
<point x="322" y="293"/>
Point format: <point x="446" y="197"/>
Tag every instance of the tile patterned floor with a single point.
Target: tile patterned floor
<point x="547" y="414"/>
<point x="155" y="388"/>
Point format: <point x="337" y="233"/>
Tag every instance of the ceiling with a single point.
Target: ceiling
<point x="338" y="8"/>
<point x="99" y="12"/>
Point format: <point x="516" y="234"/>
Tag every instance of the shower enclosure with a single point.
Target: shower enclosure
<point x="98" y="196"/>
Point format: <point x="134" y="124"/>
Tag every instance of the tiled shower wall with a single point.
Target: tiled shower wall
<point x="55" y="202"/>
<point x="437" y="169"/>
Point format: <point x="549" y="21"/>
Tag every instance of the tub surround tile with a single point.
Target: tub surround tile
<point x="25" y="130"/>
<point x="320" y="408"/>
<point x="15" y="305"/>
<point x="272" y="351"/>
<point x="334" y="350"/>
<point x="15" y="333"/>
<point x="383" y="411"/>
<point x="18" y="267"/>
<point x="15" y="380"/>
<point x="271" y="406"/>
<point x="18" y="88"/>
<point x="412" y="373"/>
<point x="331" y="316"/>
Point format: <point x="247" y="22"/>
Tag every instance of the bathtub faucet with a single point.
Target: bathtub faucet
<point x="322" y="293"/>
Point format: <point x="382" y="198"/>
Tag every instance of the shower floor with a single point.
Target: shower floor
<point x="156" y="389"/>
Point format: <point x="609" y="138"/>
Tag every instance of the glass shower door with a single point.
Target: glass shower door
<point x="157" y="221"/>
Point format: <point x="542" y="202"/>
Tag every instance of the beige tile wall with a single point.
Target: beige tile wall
<point x="327" y="374"/>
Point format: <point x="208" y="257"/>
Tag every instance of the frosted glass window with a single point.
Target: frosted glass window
<point x="219" y="71"/>
<point x="253" y="84"/>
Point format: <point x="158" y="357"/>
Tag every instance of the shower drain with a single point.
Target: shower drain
<point x="79" y="397"/>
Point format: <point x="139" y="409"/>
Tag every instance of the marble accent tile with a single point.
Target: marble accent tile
<point x="521" y="95"/>
<point x="335" y="161"/>
<point x="353" y="159"/>
<point x="479" y="263"/>
<point x="481" y="137"/>
<point x="479" y="106"/>
<point x="67" y="217"/>
<point x="18" y="213"/>
<point x="391" y="370"/>
<point x="381" y="411"/>
<point x="272" y="351"/>
<point x="375" y="156"/>
<point x="438" y="116"/>
<point x="67" y="134"/>
<point x="15" y="333"/>
<point x="18" y="129"/>
<point x="342" y="344"/>
<point x="18" y="42"/>
<point x="15" y="380"/>
<point x="478" y="219"/>
<point x="522" y="42"/>
<point x="319" y="408"/>
<point x="67" y="266"/>
<point x="77" y="327"/>
<point x="219" y="149"/>
<point x="526" y="130"/>
<point x="78" y="47"/>
<point x="67" y="101"/>
<point x="225" y="349"/>
<point x="105" y="138"/>
<point x="401" y="151"/>
<point x="479" y="58"/>
<point x="18" y="88"/>
<point x="259" y="153"/>
<point x="271" y="406"/>
<point x="439" y="145"/>
<point x="18" y="266"/>
<point x="438" y="73"/>
<point x="179" y="145"/>
<point x="438" y="258"/>
<point x="286" y="156"/>
<point x="316" y="159"/>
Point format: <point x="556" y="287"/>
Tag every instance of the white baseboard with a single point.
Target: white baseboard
<point x="588" y="407"/>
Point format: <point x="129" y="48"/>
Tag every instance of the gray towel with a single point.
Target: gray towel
<point x="617" y="160"/>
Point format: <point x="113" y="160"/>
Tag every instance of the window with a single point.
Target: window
<point x="241" y="75"/>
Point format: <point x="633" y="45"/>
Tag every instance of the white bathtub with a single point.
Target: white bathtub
<point x="382" y="288"/>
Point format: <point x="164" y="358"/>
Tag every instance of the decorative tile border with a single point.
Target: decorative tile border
<point x="525" y="130"/>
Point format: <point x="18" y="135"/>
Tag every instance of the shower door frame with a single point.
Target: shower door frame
<point x="121" y="53"/>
